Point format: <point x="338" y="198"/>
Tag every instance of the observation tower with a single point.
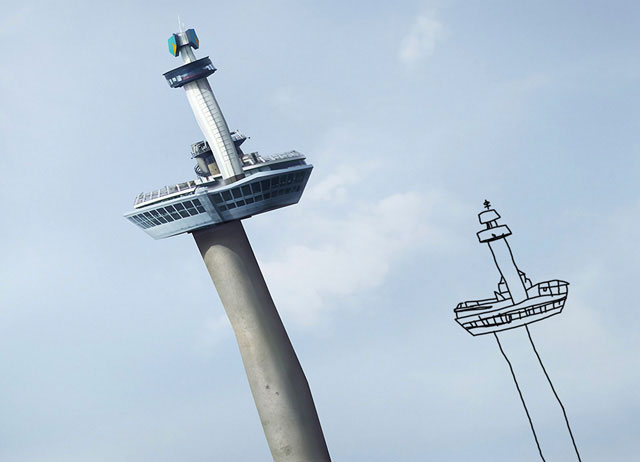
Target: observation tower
<point x="516" y="304"/>
<point x="230" y="186"/>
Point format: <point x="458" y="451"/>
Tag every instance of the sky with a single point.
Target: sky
<point x="114" y="346"/>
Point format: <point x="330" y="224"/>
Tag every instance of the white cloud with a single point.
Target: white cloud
<point x="350" y="254"/>
<point x="284" y="99"/>
<point x="420" y="43"/>
<point x="216" y="330"/>
<point x="11" y="22"/>
<point x="335" y="186"/>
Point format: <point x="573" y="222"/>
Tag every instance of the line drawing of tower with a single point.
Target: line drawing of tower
<point x="516" y="304"/>
<point x="231" y="186"/>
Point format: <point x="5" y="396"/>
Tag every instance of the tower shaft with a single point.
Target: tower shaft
<point x="278" y="384"/>
<point x="193" y="77"/>
<point x="503" y="258"/>
<point x="214" y="128"/>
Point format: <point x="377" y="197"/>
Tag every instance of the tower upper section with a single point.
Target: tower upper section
<point x="518" y="301"/>
<point x="192" y="76"/>
<point x="493" y="231"/>
<point x="183" y="39"/>
<point x="231" y="185"/>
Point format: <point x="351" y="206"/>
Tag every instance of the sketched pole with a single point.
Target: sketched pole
<point x="517" y="303"/>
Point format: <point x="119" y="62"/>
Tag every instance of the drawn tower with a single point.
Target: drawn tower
<point x="516" y="304"/>
<point x="230" y="186"/>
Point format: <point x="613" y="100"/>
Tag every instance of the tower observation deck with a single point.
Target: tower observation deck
<point x="229" y="184"/>
<point x="517" y="301"/>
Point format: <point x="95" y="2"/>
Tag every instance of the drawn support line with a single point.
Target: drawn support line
<point x="524" y="405"/>
<point x="545" y="413"/>
<point x="564" y="411"/>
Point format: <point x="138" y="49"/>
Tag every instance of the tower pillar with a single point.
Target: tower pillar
<point x="278" y="384"/>
<point x="508" y="270"/>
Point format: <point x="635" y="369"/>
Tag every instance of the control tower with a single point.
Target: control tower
<point x="229" y="186"/>
<point x="516" y="304"/>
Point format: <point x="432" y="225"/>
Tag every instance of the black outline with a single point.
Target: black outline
<point x="513" y="374"/>
<point x="497" y="319"/>
<point x="564" y="412"/>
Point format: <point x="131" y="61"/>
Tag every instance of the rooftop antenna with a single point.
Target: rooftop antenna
<point x="180" y="25"/>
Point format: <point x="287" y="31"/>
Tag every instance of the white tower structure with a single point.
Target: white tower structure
<point x="232" y="186"/>
<point x="193" y="78"/>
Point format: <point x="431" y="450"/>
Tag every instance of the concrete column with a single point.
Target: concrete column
<point x="543" y="409"/>
<point x="277" y="382"/>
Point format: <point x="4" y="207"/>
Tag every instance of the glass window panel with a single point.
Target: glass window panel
<point x="258" y="198"/>
<point x="184" y="213"/>
<point x="217" y="198"/>
<point x="266" y="185"/>
<point x="267" y="195"/>
<point x="239" y="203"/>
<point x="226" y="195"/>
<point x="246" y="190"/>
<point x="170" y="208"/>
<point x="223" y="207"/>
<point x="179" y="207"/>
<point x="249" y="200"/>
<point x="175" y="216"/>
<point x="200" y="208"/>
<point x="255" y="187"/>
<point x="236" y="193"/>
<point x="231" y="205"/>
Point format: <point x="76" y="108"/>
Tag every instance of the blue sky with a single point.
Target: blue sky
<point x="115" y="347"/>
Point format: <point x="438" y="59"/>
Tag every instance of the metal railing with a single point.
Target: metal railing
<point x="172" y="190"/>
